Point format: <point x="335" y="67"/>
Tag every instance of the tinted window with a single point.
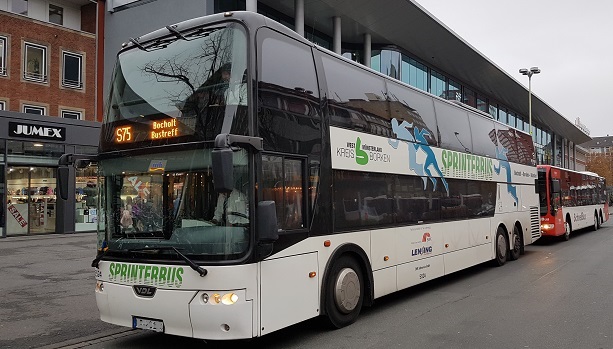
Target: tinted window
<point x="356" y="97"/>
<point x="483" y="133"/>
<point x="513" y="145"/>
<point x="413" y="107"/>
<point x="288" y="92"/>
<point x="362" y="199"/>
<point x="453" y="126"/>
<point x="413" y="203"/>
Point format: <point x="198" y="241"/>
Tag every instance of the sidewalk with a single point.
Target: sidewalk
<point x="47" y="290"/>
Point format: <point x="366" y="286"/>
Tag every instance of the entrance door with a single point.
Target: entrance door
<point x="42" y="207"/>
<point x="30" y="196"/>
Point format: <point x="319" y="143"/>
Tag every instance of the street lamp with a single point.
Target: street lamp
<point x="532" y="71"/>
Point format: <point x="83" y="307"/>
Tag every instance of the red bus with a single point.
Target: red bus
<point x="570" y="200"/>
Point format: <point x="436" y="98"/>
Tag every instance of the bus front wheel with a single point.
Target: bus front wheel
<point x="502" y="247"/>
<point x="344" y="292"/>
<point x="567" y="229"/>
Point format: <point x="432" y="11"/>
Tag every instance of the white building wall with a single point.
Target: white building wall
<point x="38" y="10"/>
<point x="4" y="5"/>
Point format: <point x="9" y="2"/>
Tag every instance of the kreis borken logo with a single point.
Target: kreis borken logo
<point x="23" y="130"/>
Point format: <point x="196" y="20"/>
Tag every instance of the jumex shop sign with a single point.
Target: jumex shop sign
<point x="17" y="129"/>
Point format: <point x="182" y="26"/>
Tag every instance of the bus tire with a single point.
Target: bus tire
<point x="501" y="246"/>
<point x="595" y="226"/>
<point x="517" y="244"/>
<point x="568" y="228"/>
<point x="344" y="292"/>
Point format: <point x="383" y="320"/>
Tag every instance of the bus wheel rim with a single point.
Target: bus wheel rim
<point x="347" y="290"/>
<point x="501" y="245"/>
<point x="516" y="241"/>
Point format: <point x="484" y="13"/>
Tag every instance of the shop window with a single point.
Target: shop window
<point x="283" y="183"/>
<point x="35" y="63"/>
<point x="3" y="55"/>
<point x="56" y="14"/>
<point x="20" y="6"/>
<point x="72" y="71"/>
<point x="71" y="114"/>
<point x="34" y="109"/>
<point x="31" y="200"/>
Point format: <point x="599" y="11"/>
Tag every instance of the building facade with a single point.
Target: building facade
<point x="396" y="39"/>
<point x="47" y="108"/>
<point x="30" y="147"/>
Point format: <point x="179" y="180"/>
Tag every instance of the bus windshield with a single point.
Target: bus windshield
<point x="175" y="90"/>
<point x="166" y="200"/>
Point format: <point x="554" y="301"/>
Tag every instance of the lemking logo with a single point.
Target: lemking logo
<point x="36" y="131"/>
<point x="422" y="251"/>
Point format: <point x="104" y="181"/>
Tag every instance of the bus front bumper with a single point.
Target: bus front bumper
<point x="206" y="314"/>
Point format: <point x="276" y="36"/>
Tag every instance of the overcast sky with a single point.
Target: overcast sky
<point x="570" y="41"/>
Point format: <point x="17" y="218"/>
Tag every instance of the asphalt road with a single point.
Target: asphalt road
<point x="557" y="295"/>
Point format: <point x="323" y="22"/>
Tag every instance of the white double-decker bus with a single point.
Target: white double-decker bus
<point x="250" y="180"/>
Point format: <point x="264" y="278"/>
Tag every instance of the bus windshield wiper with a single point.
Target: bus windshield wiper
<point x="200" y="270"/>
<point x="99" y="257"/>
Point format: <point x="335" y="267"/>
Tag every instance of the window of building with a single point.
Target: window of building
<point x="34" y="109"/>
<point x="56" y="14"/>
<point x="493" y="110"/>
<point x="454" y="91"/>
<point x="437" y="83"/>
<point x="511" y="119"/>
<point x="502" y="115"/>
<point x="414" y="73"/>
<point x="20" y="6"/>
<point x="469" y="97"/>
<point x="71" y="114"/>
<point x="482" y="103"/>
<point x="72" y="70"/>
<point x="35" y="63"/>
<point x="3" y="55"/>
<point x="2" y="105"/>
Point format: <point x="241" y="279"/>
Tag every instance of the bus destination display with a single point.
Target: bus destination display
<point x="159" y="129"/>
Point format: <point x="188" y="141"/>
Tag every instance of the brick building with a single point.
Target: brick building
<point x="47" y="58"/>
<point x="47" y="68"/>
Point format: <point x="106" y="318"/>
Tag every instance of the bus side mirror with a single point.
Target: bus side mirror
<point x="223" y="170"/>
<point x="62" y="181"/>
<point x="267" y="222"/>
<point x="222" y="163"/>
<point x="555" y="185"/>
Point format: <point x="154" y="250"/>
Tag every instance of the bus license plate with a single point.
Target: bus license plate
<point x="148" y="324"/>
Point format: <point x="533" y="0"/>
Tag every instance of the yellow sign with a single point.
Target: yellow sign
<point x="164" y="129"/>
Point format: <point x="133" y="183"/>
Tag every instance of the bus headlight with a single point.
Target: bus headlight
<point x="99" y="286"/>
<point x="547" y="226"/>
<point x="216" y="298"/>
<point x="229" y="298"/>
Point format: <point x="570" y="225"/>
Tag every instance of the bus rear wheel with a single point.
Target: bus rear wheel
<point x="502" y="247"/>
<point x="517" y="244"/>
<point x="595" y="227"/>
<point x="344" y="292"/>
